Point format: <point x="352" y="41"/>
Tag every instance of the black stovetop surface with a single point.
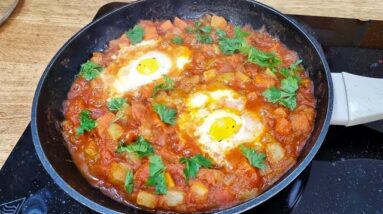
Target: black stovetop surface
<point x="346" y="175"/>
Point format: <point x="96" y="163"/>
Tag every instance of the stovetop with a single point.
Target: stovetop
<point x="346" y="176"/>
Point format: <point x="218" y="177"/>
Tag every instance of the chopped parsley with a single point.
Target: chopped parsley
<point x="286" y="94"/>
<point x="255" y="159"/>
<point x="291" y="70"/>
<point x="263" y="59"/>
<point x="129" y="181"/>
<point x="177" y="40"/>
<point x="115" y="104"/>
<point x="166" y="114"/>
<point x="136" y="34"/>
<point x="167" y="85"/>
<point x="192" y="165"/>
<point x="86" y="122"/>
<point x="157" y="174"/>
<point x="90" y="70"/>
<point x="141" y="147"/>
<point x="238" y="43"/>
<point x="204" y="38"/>
<point x="220" y="33"/>
<point x="202" y="32"/>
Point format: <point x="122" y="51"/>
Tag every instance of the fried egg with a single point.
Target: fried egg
<point x="143" y="63"/>
<point x="147" y="68"/>
<point x="219" y="122"/>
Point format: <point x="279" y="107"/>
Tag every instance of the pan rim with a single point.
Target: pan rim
<point x="244" y="206"/>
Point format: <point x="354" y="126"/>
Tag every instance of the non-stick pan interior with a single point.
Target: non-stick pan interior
<point x="53" y="87"/>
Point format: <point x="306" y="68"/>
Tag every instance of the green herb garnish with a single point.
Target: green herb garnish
<point x="286" y="95"/>
<point x="167" y="115"/>
<point x="115" y="104"/>
<point x="263" y="59"/>
<point x="291" y="70"/>
<point x="129" y="181"/>
<point x="204" y="38"/>
<point x="86" y="122"/>
<point x="167" y="85"/>
<point x="177" y="40"/>
<point x="192" y="165"/>
<point x="90" y="70"/>
<point x="255" y="159"/>
<point x="136" y="34"/>
<point x="202" y="32"/>
<point x="220" y="33"/>
<point x="157" y="174"/>
<point x="141" y="147"/>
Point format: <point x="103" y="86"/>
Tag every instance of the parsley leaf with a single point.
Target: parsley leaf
<point x="192" y="165"/>
<point x="263" y="59"/>
<point x="86" y="122"/>
<point x="239" y="33"/>
<point x="167" y="115"/>
<point x="177" y="40"/>
<point x="191" y="30"/>
<point x="255" y="159"/>
<point x="90" y="70"/>
<point x="116" y="103"/>
<point x="291" y="70"/>
<point x="287" y="99"/>
<point x="206" y="29"/>
<point x="198" y="23"/>
<point x="230" y="45"/>
<point x="290" y="84"/>
<point x="136" y="34"/>
<point x="129" y="181"/>
<point x="166" y="86"/>
<point x="204" y="38"/>
<point x="141" y="147"/>
<point x="157" y="174"/>
<point x="220" y="33"/>
<point x="272" y="94"/>
<point x="233" y="45"/>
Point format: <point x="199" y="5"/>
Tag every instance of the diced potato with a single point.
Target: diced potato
<point x="280" y="112"/>
<point x="174" y="198"/>
<point x="199" y="190"/>
<point x="226" y="77"/>
<point x="117" y="173"/>
<point x="169" y="180"/>
<point x="241" y="77"/>
<point x="90" y="151"/>
<point x="147" y="199"/>
<point x="209" y="75"/>
<point x="247" y="194"/>
<point x="275" y="152"/>
<point x="115" y="131"/>
<point x="218" y="22"/>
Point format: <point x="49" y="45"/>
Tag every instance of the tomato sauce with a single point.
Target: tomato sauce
<point x="215" y="187"/>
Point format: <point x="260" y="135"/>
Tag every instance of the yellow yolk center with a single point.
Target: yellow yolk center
<point x="148" y="66"/>
<point x="223" y="128"/>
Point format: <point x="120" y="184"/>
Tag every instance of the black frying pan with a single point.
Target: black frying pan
<point x="47" y="111"/>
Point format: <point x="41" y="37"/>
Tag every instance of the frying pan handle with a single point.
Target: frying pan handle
<point x="357" y="99"/>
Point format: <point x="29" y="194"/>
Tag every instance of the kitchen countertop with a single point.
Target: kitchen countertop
<point x="38" y="28"/>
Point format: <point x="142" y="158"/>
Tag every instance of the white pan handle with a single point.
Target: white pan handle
<point x="357" y="99"/>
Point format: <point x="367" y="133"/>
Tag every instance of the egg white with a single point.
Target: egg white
<point x="250" y="129"/>
<point x="128" y="78"/>
<point x="203" y="108"/>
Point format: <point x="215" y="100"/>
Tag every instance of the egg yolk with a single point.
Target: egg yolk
<point x="223" y="128"/>
<point x="148" y="66"/>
